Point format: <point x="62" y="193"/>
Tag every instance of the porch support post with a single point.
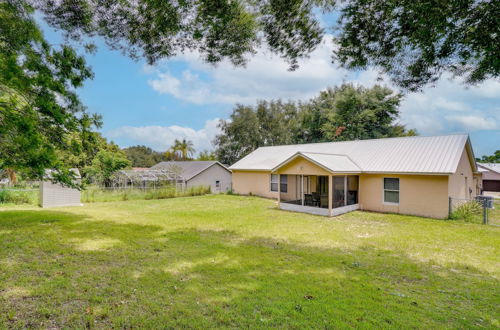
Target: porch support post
<point x="279" y="189"/>
<point x="330" y="195"/>
<point x="345" y="190"/>
<point x="302" y="189"/>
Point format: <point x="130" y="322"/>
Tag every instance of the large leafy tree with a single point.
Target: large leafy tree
<point x="351" y="113"/>
<point x="413" y="42"/>
<point x="104" y="165"/>
<point x="268" y="123"/>
<point x="337" y="114"/>
<point x="39" y="109"/>
<point x="142" y="156"/>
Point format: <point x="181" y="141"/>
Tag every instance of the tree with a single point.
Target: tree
<point x="104" y="165"/>
<point x="207" y="155"/>
<point x="268" y="123"/>
<point x="181" y="150"/>
<point x="413" y="42"/>
<point x="337" y="114"/>
<point x="186" y="149"/>
<point x="39" y="108"/>
<point x="350" y="113"/>
<point x="495" y="158"/>
<point x="142" y="156"/>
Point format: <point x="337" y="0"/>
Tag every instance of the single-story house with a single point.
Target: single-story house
<point x="407" y="175"/>
<point x="491" y="176"/>
<point x="200" y="173"/>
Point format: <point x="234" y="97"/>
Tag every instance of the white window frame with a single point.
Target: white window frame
<point x="393" y="190"/>
<point x="278" y="181"/>
<point x="217" y="184"/>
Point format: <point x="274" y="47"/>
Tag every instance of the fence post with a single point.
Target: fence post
<point x="485" y="213"/>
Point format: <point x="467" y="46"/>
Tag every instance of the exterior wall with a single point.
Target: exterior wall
<point x="423" y="195"/>
<point x="462" y="184"/>
<point x="259" y="184"/>
<point x="253" y="182"/>
<point x="490" y="175"/>
<point x="53" y="195"/>
<point x="302" y="166"/>
<point x="209" y="176"/>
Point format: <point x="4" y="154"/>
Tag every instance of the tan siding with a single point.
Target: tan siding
<point x="423" y="195"/>
<point x="259" y="184"/>
<point x="302" y="166"/>
<point x="458" y="185"/>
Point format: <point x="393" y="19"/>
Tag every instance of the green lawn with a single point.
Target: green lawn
<point x="230" y="261"/>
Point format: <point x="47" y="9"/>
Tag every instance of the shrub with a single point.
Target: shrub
<point x="468" y="211"/>
<point x="19" y="196"/>
<point x="93" y="194"/>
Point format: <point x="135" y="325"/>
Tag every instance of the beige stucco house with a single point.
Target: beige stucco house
<point x="408" y="175"/>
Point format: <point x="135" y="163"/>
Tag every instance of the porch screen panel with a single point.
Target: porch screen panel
<point x="338" y="191"/>
<point x="352" y="189"/>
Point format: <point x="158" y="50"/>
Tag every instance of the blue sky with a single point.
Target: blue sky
<point x="184" y="98"/>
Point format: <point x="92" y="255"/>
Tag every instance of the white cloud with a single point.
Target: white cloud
<point x="451" y="107"/>
<point x="448" y="107"/>
<point x="472" y="123"/>
<point x="162" y="137"/>
<point x="266" y="76"/>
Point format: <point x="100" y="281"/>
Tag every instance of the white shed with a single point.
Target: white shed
<point x="55" y="194"/>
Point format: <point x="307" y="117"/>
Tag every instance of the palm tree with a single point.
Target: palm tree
<point x="180" y="150"/>
<point x="186" y="149"/>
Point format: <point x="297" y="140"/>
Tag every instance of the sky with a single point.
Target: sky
<point x="183" y="97"/>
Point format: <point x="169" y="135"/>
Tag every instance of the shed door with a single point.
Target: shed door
<point x="491" y="185"/>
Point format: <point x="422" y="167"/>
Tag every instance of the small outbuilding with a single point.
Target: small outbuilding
<point x="55" y="194"/>
<point x="200" y="173"/>
<point x="491" y="176"/>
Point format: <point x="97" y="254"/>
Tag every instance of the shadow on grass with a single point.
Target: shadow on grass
<point x="63" y="270"/>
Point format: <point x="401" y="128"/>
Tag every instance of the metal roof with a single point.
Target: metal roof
<point x="416" y="154"/>
<point x="189" y="169"/>
<point x="495" y="167"/>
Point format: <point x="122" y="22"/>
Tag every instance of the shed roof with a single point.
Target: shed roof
<point x="417" y="154"/>
<point x="495" y="167"/>
<point x="189" y="169"/>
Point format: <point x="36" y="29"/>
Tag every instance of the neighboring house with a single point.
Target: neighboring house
<point x="200" y="173"/>
<point x="491" y="176"/>
<point x="408" y="175"/>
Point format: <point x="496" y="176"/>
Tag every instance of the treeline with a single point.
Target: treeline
<point x="347" y="112"/>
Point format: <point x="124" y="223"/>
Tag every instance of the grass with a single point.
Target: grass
<point x="221" y="261"/>
<point x="494" y="214"/>
<point x="92" y="194"/>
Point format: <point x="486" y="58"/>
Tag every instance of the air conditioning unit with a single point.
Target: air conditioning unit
<point x="486" y="201"/>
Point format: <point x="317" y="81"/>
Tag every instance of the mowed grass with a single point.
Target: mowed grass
<point x="231" y="261"/>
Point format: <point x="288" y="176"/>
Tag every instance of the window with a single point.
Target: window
<point x="391" y="190"/>
<point x="217" y="184"/>
<point x="284" y="183"/>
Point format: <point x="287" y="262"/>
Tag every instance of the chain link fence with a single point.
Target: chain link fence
<point x="482" y="209"/>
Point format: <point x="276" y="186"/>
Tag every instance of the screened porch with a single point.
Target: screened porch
<point x="312" y="193"/>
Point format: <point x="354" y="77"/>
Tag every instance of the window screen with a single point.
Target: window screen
<point x="284" y="182"/>
<point x="391" y="190"/>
